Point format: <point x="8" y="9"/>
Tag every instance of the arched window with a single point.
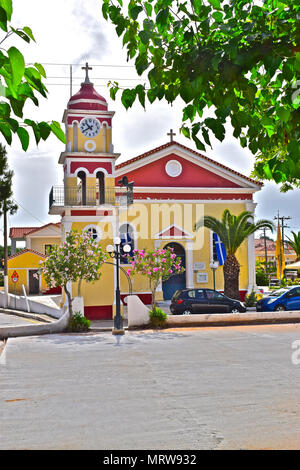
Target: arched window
<point x="127" y="238"/>
<point x="100" y="182"/>
<point x="75" y="136"/>
<point x="81" y="188"/>
<point x="104" y="127"/>
<point x="94" y="231"/>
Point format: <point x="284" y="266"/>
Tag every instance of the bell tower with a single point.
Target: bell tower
<point x="89" y="159"/>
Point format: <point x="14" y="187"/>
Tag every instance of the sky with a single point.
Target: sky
<point x="73" y="32"/>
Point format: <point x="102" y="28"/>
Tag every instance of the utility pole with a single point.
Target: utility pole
<point x="283" y="226"/>
<point x="5" y="254"/>
<point x="266" y="249"/>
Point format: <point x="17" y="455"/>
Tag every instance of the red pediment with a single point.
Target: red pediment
<point x="174" y="165"/>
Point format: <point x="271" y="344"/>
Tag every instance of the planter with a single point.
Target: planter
<point x="78" y="305"/>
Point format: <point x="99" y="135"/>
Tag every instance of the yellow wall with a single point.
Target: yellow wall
<point x="147" y="215"/>
<point x="21" y="264"/>
<point x="101" y="146"/>
<point x="38" y="244"/>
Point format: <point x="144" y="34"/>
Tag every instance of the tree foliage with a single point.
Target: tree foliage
<point x="233" y="230"/>
<point x="156" y="265"/>
<point x="239" y="60"/>
<point x="79" y="258"/>
<point x="18" y="83"/>
<point x="295" y="243"/>
<point x="7" y="202"/>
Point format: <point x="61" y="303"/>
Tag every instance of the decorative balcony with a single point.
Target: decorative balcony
<point x="61" y="197"/>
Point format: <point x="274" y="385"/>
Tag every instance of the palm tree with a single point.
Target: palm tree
<point x="295" y="244"/>
<point x="233" y="230"/>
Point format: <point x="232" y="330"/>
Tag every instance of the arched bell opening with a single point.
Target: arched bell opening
<point x="81" y="187"/>
<point x="100" y="184"/>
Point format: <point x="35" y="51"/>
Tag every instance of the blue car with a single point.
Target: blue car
<point x="281" y="299"/>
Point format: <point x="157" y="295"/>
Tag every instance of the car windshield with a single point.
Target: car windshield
<point x="278" y="292"/>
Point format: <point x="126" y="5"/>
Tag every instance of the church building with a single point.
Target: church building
<point x="173" y="187"/>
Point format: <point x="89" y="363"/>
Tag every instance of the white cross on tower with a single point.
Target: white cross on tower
<point x="171" y="134"/>
<point x="87" y="68"/>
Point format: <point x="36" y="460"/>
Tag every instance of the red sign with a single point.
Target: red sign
<point x="15" y="276"/>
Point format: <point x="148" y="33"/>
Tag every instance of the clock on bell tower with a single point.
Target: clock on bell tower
<point x="88" y="121"/>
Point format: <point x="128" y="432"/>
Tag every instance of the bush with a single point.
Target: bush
<point x="78" y="323"/>
<point x="157" y="317"/>
<point x="250" y="300"/>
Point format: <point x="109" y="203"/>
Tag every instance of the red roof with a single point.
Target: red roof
<point x="26" y="250"/>
<point x="87" y="99"/>
<point x="20" y="232"/>
<point x="170" y="144"/>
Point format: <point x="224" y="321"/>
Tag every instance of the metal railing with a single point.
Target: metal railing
<point x="78" y="196"/>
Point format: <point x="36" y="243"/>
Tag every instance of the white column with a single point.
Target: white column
<point x="189" y="264"/>
<point x="250" y="206"/>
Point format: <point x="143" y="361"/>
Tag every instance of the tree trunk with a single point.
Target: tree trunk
<point x="69" y="302"/>
<point x="231" y="271"/>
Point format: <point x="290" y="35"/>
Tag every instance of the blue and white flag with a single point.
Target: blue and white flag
<point x="220" y="248"/>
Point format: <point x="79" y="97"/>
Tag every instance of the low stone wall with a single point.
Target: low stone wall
<point x="229" y="319"/>
<point x="34" y="329"/>
<point x="24" y="304"/>
<point x="138" y="316"/>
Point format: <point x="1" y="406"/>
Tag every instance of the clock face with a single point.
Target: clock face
<point x="90" y="127"/>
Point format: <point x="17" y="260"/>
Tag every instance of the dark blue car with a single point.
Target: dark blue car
<point x="281" y="299"/>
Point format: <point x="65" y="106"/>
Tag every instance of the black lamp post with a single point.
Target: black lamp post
<point x="115" y="252"/>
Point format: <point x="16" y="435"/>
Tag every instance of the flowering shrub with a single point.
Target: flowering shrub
<point x="79" y="258"/>
<point x="157" y="265"/>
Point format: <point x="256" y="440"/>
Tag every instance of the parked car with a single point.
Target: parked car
<point x="189" y="301"/>
<point x="281" y="299"/>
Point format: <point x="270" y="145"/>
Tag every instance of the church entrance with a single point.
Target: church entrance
<point x="178" y="281"/>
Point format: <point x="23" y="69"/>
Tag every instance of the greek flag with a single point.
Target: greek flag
<point x="220" y="248"/>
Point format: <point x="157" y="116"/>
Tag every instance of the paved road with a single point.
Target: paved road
<point x="210" y="388"/>
<point x="7" y="319"/>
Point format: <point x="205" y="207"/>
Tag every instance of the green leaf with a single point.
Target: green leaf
<point x="5" y="130"/>
<point x="29" y="33"/>
<point x="56" y="129"/>
<point x="215" y="3"/>
<point x="135" y="11"/>
<point x="7" y="6"/>
<point x="283" y="114"/>
<point x="24" y="137"/>
<point x="128" y="98"/>
<point x="41" y="69"/>
<point x="3" y="19"/>
<point x="17" y="65"/>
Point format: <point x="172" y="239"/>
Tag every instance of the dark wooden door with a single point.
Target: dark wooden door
<point x="34" y="283"/>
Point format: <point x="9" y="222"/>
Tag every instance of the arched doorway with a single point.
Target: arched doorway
<point x="178" y="281"/>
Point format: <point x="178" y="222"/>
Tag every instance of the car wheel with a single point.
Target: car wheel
<point x="186" y="312"/>
<point x="235" y="310"/>
<point x="279" y="308"/>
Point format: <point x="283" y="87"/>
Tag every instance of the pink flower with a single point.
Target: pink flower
<point x="170" y="271"/>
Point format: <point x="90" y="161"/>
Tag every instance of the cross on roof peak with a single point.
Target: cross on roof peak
<point x="87" y="68"/>
<point x="171" y="134"/>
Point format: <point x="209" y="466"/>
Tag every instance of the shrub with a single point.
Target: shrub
<point x="157" y="317"/>
<point x="250" y="300"/>
<point x="78" y="323"/>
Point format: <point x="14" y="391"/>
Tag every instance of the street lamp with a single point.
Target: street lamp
<point x="114" y="252"/>
<point x="213" y="266"/>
